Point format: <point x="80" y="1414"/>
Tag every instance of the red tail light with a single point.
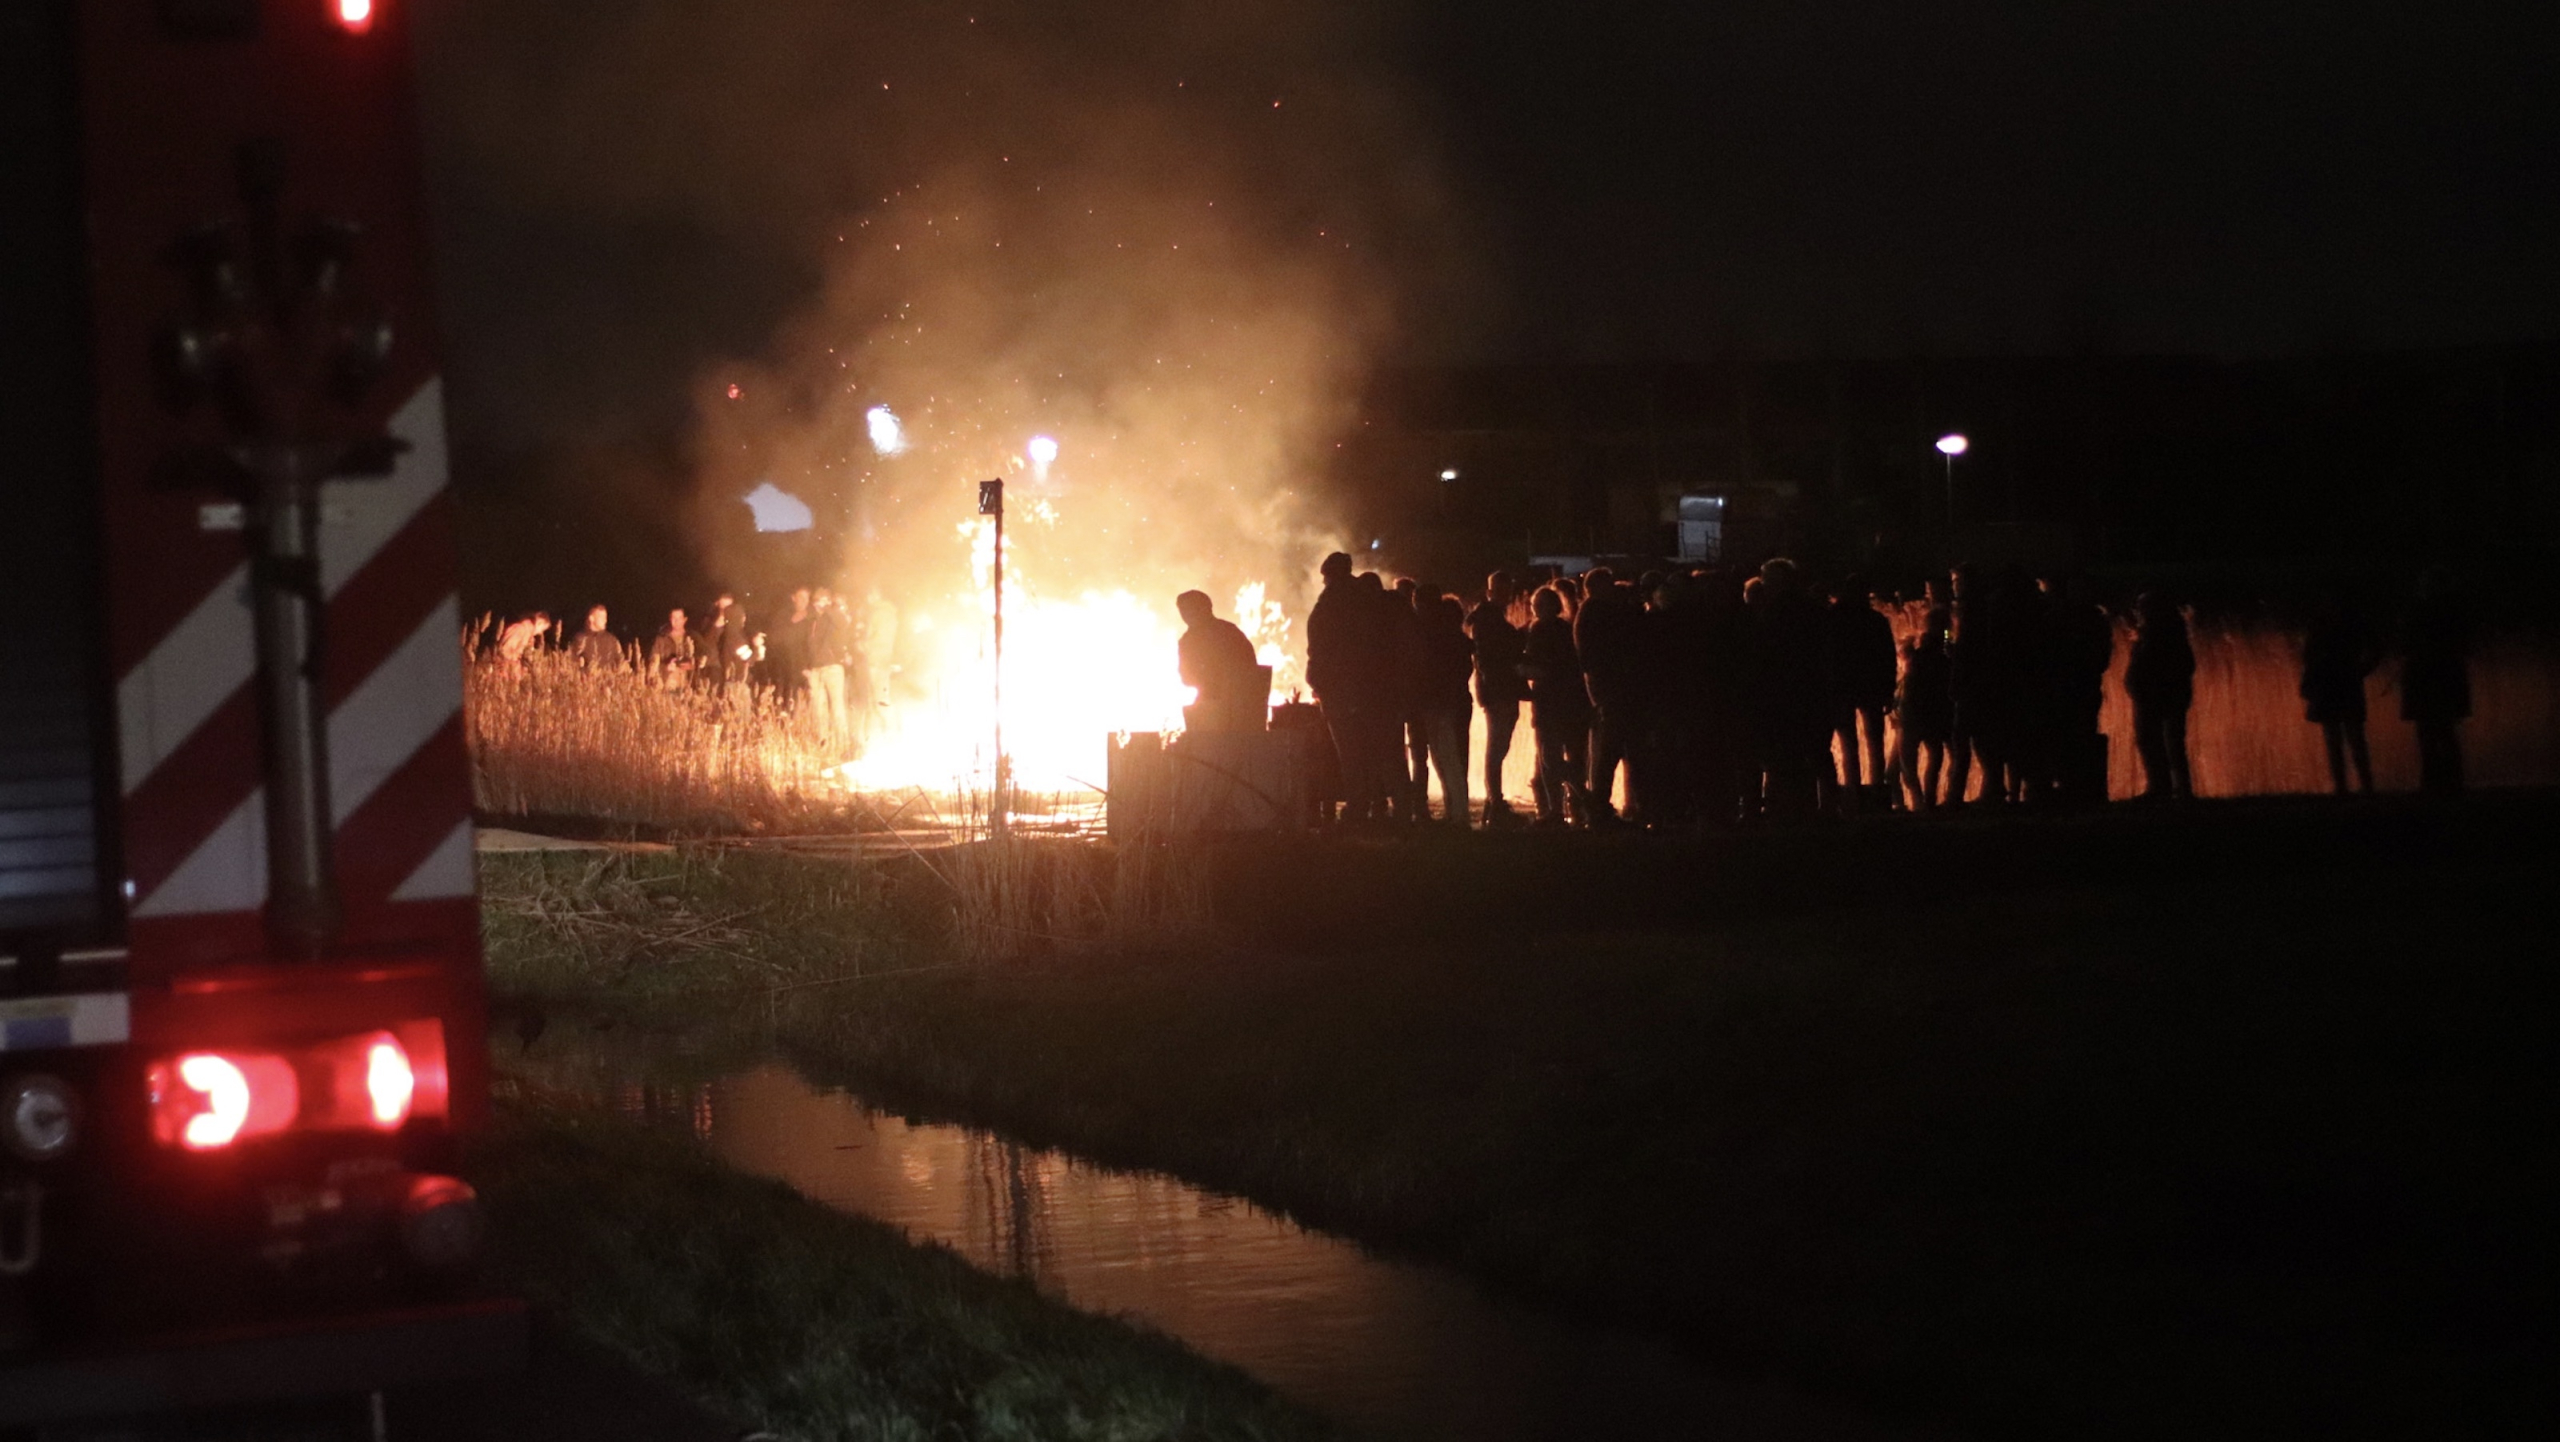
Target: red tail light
<point x="354" y="16"/>
<point x="373" y="1081"/>
<point x="388" y="1081"/>
<point x="205" y="1100"/>
<point x="208" y="1100"/>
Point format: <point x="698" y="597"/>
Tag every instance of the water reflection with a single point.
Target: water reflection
<point x="1391" y="1348"/>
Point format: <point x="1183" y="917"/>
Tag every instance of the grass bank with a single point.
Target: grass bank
<point x="794" y="1320"/>
<point x="2225" y="1120"/>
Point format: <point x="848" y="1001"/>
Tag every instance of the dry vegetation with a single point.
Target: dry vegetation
<point x="2246" y="735"/>
<point x="551" y="739"/>
<point x="1026" y="896"/>
<point x="621" y="747"/>
<point x="755" y="925"/>
<point x="630" y="748"/>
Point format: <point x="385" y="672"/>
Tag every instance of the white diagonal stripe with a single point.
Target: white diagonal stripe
<point x="447" y="872"/>
<point x="194" y="669"/>
<point x="384" y="722"/>
<point x="227" y="873"/>
<point x="371" y="734"/>
<point x="211" y="653"/>
<point x="359" y="518"/>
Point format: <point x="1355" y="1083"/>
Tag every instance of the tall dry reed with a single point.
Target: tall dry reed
<point x="2246" y="735"/>
<point x="1018" y="894"/>
<point x="548" y="739"/>
<point x="636" y="746"/>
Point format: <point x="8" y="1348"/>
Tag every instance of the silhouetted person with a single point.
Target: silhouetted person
<point x="1216" y="660"/>
<point x="1790" y="688"/>
<point x="1400" y="630"/>
<point x="595" y="648"/>
<point x="1974" y="680"/>
<point x="1559" y="708"/>
<point x="2160" y="680"/>
<point x="1333" y="627"/>
<point x="1727" y="769"/>
<point x="1609" y="634"/>
<point x="1675" y="782"/>
<point x="1924" y="709"/>
<point x="731" y="643"/>
<point x="1862" y="680"/>
<point x="1349" y="660"/>
<point x="1500" y="688"/>
<point x="2339" y="650"/>
<point x="2435" y="682"/>
<point x="785" y="652"/>
<point x="2078" y="645"/>
<point x="1446" y="714"/>
<point x="1406" y="593"/>
<point x="830" y="658"/>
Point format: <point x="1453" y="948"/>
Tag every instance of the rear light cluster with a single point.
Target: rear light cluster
<point x="373" y="1081"/>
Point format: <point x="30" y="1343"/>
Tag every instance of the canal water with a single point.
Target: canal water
<point x="1391" y="1348"/>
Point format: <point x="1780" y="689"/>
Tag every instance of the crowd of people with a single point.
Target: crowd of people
<point x="1673" y="697"/>
<point x="805" y="662"/>
<point x="1693" y="695"/>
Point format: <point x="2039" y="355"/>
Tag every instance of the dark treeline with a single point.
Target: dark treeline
<point x="2243" y="481"/>
<point x="2235" y="474"/>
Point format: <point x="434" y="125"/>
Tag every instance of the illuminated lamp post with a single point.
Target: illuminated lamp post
<point x="1952" y="446"/>
<point x="991" y="503"/>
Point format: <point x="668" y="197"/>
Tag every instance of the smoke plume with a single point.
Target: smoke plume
<point x="1170" y="236"/>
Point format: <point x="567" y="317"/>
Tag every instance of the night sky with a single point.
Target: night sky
<point x="1630" y="181"/>
<point x="2002" y="175"/>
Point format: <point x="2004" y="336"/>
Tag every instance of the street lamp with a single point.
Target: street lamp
<point x="1952" y="446"/>
<point x="887" y="436"/>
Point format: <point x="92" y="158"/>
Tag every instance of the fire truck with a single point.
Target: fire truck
<point x="242" y="1023"/>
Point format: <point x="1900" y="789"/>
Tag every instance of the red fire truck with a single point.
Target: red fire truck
<point x="241" y="1009"/>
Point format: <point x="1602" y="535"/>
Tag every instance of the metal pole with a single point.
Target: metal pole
<point x="1004" y="772"/>
<point x="1951" y="492"/>
<point x="991" y="503"/>
<point x="302" y="903"/>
